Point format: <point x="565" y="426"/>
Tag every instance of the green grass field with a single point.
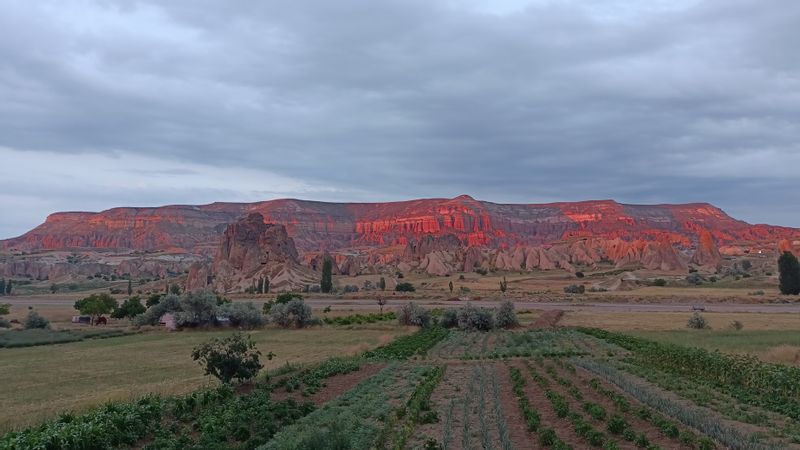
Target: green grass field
<point x="45" y="381"/>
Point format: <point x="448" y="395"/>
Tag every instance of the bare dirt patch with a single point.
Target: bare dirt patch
<point x="334" y="386"/>
<point x="548" y="319"/>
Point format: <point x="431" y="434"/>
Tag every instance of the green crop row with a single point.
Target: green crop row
<point x="744" y="377"/>
<point x="407" y="346"/>
<point x="531" y="416"/>
<point x="358" y="319"/>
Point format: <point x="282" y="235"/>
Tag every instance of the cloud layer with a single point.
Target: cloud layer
<point x="108" y="103"/>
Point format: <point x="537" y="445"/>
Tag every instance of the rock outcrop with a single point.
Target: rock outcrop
<point x="707" y="255"/>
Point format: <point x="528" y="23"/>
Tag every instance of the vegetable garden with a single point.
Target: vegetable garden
<point x="448" y="389"/>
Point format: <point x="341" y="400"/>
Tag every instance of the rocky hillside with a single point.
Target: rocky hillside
<point x="438" y="236"/>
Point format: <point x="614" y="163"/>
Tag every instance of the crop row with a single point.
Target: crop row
<point x="693" y="417"/>
<point x="313" y="377"/>
<point x="744" y="377"/>
<point x="358" y="319"/>
<point x="417" y="409"/>
<point x="407" y="346"/>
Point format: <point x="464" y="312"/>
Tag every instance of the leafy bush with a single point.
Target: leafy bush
<point x="736" y="325"/>
<point x="35" y="321"/>
<point x="286" y="297"/>
<point x="473" y="318"/>
<point x="293" y="314"/>
<point x="694" y="278"/>
<point x="243" y="315"/>
<point x="697" y="322"/>
<point x="130" y="308"/>
<point x="449" y="318"/>
<point x="405" y="287"/>
<point x="506" y="317"/>
<point x="232" y="357"/>
<point x="407" y="346"/>
<point x="4" y="323"/>
<point x="167" y="304"/>
<point x="198" y="308"/>
<point x="660" y="282"/>
<point x="575" y="289"/>
<point x="412" y="314"/>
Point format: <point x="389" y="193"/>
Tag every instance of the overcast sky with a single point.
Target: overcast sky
<point x="109" y="103"/>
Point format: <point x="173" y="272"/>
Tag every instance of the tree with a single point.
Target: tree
<point x="260" y="288"/>
<point x="266" y="285"/>
<point x="450" y="285"/>
<point x="130" y="287"/>
<point x="293" y="314"/>
<point x="35" y="321"/>
<point x="242" y="315"/>
<point x="405" y="287"/>
<point x="175" y="289"/>
<point x="506" y="317"/>
<point x="233" y="357"/>
<point x="129" y="309"/>
<point x="96" y="305"/>
<point x="789" y="269"/>
<point x="53" y="288"/>
<point x="5" y="309"/>
<point x="326" y="284"/>
<point x="382" y="284"/>
<point x="503" y="285"/>
<point x="2" y="286"/>
<point x="8" y="287"/>
<point x="381" y="302"/>
<point x="197" y="309"/>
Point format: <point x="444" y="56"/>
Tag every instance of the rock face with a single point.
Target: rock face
<point x="707" y="254"/>
<point x="251" y="249"/>
<point x="439" y="236"/>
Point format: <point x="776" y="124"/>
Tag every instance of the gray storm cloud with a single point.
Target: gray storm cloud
<point x="140" y="103"/>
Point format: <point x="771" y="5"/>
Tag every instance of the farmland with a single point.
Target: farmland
<point x="448" y="389"/>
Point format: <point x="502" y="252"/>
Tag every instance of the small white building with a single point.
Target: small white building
<point x="168" y="321"/>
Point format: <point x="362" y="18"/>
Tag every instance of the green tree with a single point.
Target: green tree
<point x="8" y="287"/>
<point x="130" y="288"/>
<point x="504" y="285"/>
<point x="382" y="284"/>
<point x="789" y="269"/>
<point x="129" y="309"/>
<point x="2" y="286"/>
<point x="405" y="287"/>
<point x="175" y="289"/>
<point x="326" y="284"/>
<point x="266" y="285"/>
<point x="96" y="305"/>
<point x="450" y="285"/>
<point x="53" y="288"/>
<point x="260" y="287"/>
<point x="233" y="357"/>
<point x="5" y="309"/>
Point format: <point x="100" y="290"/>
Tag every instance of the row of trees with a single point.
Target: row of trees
<point x="468" y="317"/>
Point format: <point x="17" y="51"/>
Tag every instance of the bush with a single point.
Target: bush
<point x="575" y="289"/>
<point x="506" y="317"/>
<point x="789" y="277"/>
<point x="694" y="278"/>
<point x="473" y="318"/>
<point x="449" y="318"/>
<point x="242" y="315"/>
<point x="35" y="321"/>
<point x="736" y="325"/>
<point x="4" y="323"/>
<point x="405" y="287"/>
<point x="660" y="282"/>
<point x="167" y="304"/>
<point x="129" y="309"/>
<point x="286" y="297"/>
<point x="197" y="309"/>
<point x="294" y="314"/>
<point x="697" y="322"/>
<point x="412" y="314"/>
<point x="229" y="358"/>
<point x="579" y="274"/>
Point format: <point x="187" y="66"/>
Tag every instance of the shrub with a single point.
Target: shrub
<point x="694" y="278"/>
<point x="129" y="309"/>
<point x="449" y="318"/>
<point x="167" y="304"/>
<point x="579" y="274"/>
<point x="4" y="323"/>
<point x="34" y="320"/>
<point x="229" y="358"/>
<point x="243" y="315"/>
<point x="286" y="297"/>
<point x="660" y="282"/>
<point x="697" y="322"/>
<point x="293" y="314"/>
<point x="473" y="318"/>
<point x="575" y="289"/>
<point x="405" y="287"/>
<point x="736" y="325"/>
<point x="197" y="309"/>
<point x="506" y="317"/>
<point x="412" y="314"/>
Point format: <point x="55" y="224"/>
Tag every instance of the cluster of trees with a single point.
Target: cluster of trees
<point x="468" y="317"/>
<point x="201" y="309"/>
<point x="6" y="286"/>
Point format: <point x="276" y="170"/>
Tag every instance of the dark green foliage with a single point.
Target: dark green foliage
<point x="326" y="283"/>
<point x="506" y="317"/>
<point x="96" y="305"/>
<point x="660" y="282"/>
<point x="405" y="287"/>
<point x="617" y="424"/>
<point x="407" y="346"/>
<point x="129" y="309"/>
<point x="575" y="289"/>
<point x="449" y="318"/>
<point x="789" y="269"/>
<point x="229" y="358"/>
<point x="286" y="297"/>
<point x="9" y="287"/>
<point x="450" y="285"/>
<point x="130" y="287"/>
<point x="382" y="284"/>
<point x="5" y="309"/>
<point x="503" y="285"/>
<point x="2" y="286"/>
<point x="358" y="319"/>
<point x="531" y="416"/>
<point x="175" y="289"/>
<point x="697" y="322"/>
<point x="295" y="314"/>
<point x="35" y="321"/>
<point x="153" y="299"/>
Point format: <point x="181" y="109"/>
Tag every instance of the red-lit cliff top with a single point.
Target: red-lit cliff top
<point x="321" y="225"/>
